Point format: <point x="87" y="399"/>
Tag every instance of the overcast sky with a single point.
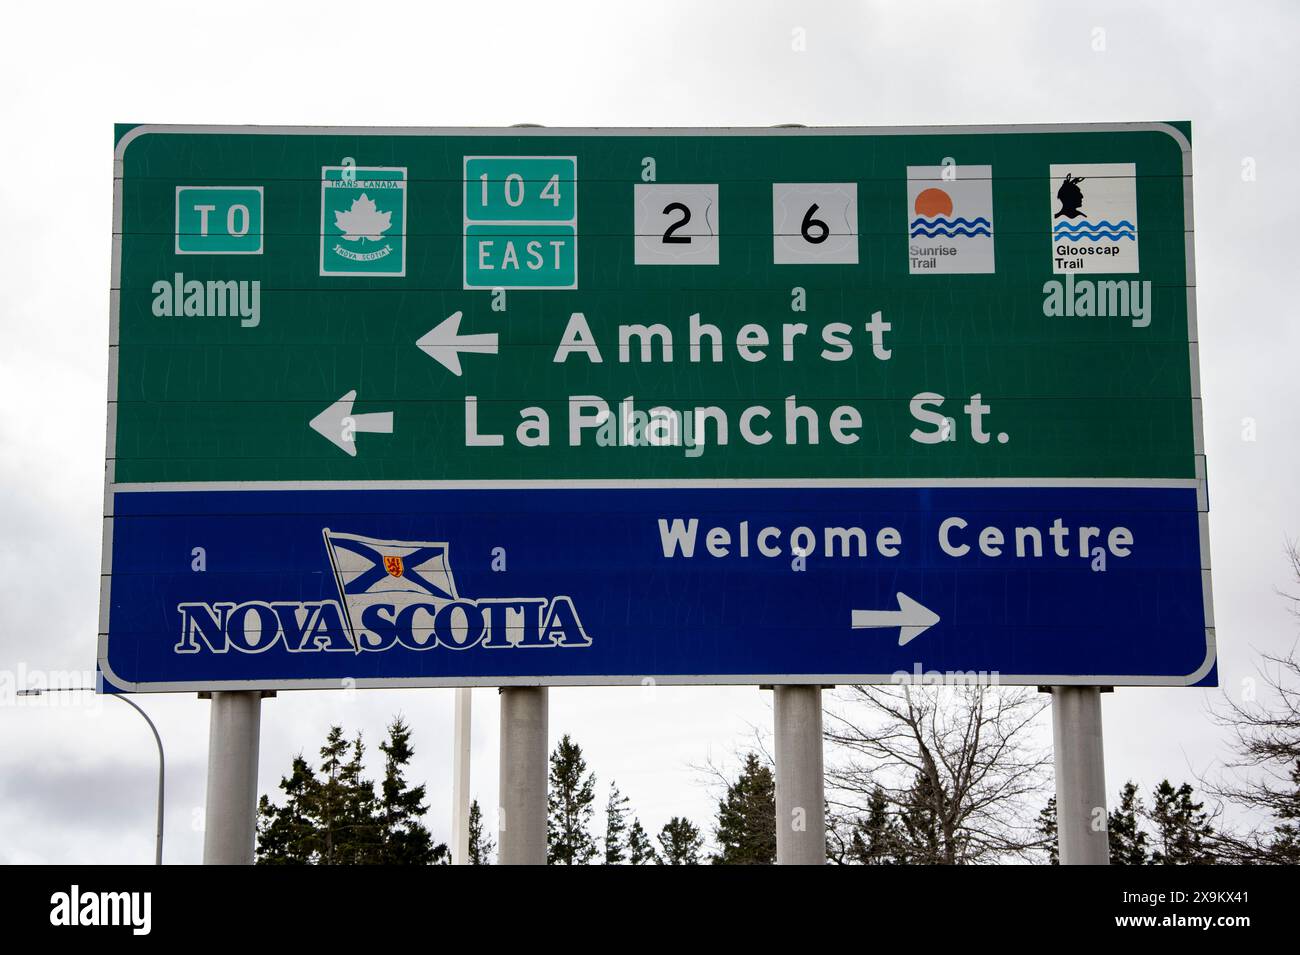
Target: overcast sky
<point x="77" y="781"/>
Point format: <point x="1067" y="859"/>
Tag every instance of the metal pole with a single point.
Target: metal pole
<point x="522" y="813"/>
<point x="231" y="825"/>
<point x="158" y="838"/>
<point x="800" y="783"/>
<point x="1080" y="776"/>
<point x="460" y="778"/>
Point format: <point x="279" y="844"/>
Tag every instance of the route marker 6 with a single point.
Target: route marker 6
<point x="815" y="222"/>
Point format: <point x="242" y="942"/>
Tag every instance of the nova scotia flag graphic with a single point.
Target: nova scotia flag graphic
<point x="395" y="574"/>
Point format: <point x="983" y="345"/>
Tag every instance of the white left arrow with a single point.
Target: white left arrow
<point x="911" y="618"/>
<point x="340" y="425"/>
<point x="444" y="343"/>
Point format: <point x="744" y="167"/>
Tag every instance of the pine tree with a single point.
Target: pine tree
<point x="681" y="842"/>
<point x="639" y="849"/>
<point x="361" y="832"/>
<point x="480" y="846"/>
<point x="615" y="826"/>
<point x="333" y="800"/>
<point x="875" y="838"/>
<point x="569" y="803"/>
<point x="326" y="820"/>
<point x="285" y="834"/>
<point x="1128" y="840"/>
<point x="1047" y="828"/>
<point x="403" y="839"/>
<point x="746" y="825"/>
<point x="336" y="818"/>
<point x="922" y="841"/>
<point x="1183" y="831"/>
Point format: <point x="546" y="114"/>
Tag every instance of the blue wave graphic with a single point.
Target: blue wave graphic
<point x="1096" y="236"/>
<point x="1085" y="225"/>
<point x="922" y="221"/>
<point x="950" y="233"/>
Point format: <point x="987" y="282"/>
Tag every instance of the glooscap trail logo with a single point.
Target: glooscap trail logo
<point x="391" y="594"/>
<point x="1094" y="217"/>
<point x="363" y="221"/>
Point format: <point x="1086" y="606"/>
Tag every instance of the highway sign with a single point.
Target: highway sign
<point x="488" y="407"/>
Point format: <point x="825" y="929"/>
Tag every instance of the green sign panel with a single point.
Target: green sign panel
<point x="748" y="304"/>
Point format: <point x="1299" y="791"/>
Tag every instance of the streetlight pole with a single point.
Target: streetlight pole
<point x="158" y="840"/>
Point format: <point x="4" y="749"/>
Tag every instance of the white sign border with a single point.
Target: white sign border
<point x="542" y="132"/>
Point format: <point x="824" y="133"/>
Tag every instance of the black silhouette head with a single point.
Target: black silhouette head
<point x="1071" y="197"/>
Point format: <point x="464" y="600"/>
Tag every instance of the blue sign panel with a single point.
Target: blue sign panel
<point x="617" y="584"/>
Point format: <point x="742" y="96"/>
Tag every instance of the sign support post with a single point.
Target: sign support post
<point x="1080" y="776"/>
<point x="522" y="814"/>
<point x="460" y="778"/>
<point x="231" y="818"/>
<point x="800" y="779"/>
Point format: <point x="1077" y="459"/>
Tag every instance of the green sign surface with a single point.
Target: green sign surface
<point x="670" y="305"/>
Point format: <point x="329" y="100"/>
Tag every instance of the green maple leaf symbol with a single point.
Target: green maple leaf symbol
<point x="363" y="220"/>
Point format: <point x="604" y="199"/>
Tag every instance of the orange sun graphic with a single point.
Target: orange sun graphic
<point x="933" y="202"/>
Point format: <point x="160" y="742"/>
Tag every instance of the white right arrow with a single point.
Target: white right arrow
<point x="340" y="425"/>
<point x="443" y="343"/>
<point x="911" y="618"/>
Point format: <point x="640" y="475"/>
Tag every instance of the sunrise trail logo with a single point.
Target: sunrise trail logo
<point x="392" y="594"/>
<point x="363" y="221"/>
<point x="950" y="220"/>
<point x="1094" y="218"/>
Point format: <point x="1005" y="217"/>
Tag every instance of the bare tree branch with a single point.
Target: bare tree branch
<point x="956" y="765"/>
